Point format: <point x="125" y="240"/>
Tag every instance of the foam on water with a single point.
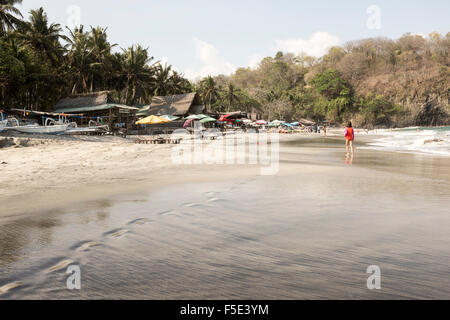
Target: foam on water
<point x="434" y="141"/>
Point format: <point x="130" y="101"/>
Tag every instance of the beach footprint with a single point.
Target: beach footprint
<point x="10" y="286"/>
<point x="190" y="205"/>
<point x="117" y="234"/>
<point x="169" y="213"/>
<point x="61" y="265"/>
<point x="86" y="246"/>
<point x="194" y="206"/>
<point x="140" y="222"/>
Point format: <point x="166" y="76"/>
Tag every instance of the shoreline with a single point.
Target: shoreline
<point x="308" y="232"/>
<point x="99" y="169"/>
<point x="51" y="173"/>
<point x="88" y="168"/>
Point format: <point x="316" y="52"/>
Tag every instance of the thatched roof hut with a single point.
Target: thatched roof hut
<point x="97" y="105"/>
<point x="90" y="102"/>
<point x="176" y="105"/>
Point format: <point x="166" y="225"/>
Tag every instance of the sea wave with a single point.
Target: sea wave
<point x="434" y="141"/>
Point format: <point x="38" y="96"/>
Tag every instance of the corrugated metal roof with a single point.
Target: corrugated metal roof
<point x="96" y="108"/>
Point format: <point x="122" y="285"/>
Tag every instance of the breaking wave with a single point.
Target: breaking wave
<point x="435" y="141"/>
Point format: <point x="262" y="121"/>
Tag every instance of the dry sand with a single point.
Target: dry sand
<point x="39" y="173"/>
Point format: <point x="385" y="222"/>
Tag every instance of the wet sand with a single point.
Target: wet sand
<point x="309" y="232"/>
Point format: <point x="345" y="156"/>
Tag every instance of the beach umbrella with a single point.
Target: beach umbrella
<point x="197" y="117"/>
<point x="247" y="121"/>
<point x="226" y="119"/>
<point x="208" y="119"/>
<point x="153" y="120"/>
<point x="188" y="123"/>
<point x="261" y="122"/>
<point x="170" y="117"/>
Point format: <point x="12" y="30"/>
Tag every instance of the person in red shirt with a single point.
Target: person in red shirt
<point x="349" y="137"/>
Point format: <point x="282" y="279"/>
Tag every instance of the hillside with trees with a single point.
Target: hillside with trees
<point x="374" y="82"/>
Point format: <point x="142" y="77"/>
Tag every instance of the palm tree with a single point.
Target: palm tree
<point x="100" y="45"/>
<point x="101" y="54"/>
<point x="230" y="95"/>
<point x="209" y="91"/>
<point x="80" y="58"/>
<point x="42" y="36"/>
<point x="163" y="84"/>
<point x="138" y="74"/>
<point x="168" y="81"/>
<point x="8" y="13"/>
<point x="179" y="84"/>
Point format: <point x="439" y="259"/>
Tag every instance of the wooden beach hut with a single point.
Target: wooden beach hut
<point x="177" y="107"/>
<point x="181" y="105"/>
<point x="98" y="106"/>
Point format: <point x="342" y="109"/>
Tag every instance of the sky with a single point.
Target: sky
<point x="210" y="37"/>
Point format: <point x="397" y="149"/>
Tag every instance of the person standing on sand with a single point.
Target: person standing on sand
<point x="349" y="137"/>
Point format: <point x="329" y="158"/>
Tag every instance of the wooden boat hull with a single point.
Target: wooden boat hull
<point x="57" y="129"/>
<point x="3" y="124"/>
<point x="96" y="129"/>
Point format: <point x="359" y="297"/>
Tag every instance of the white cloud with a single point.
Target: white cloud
<point x="164" y="61"/>
<point x="317" y="45"/>
<point x="255" y="60"/>
<point x="209" y="62"/>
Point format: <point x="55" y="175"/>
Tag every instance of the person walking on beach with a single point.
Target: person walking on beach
<point x="349" y="137"/>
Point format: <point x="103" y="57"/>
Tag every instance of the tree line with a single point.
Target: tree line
<point x="373" y="82"/>
<point x="40" y="63"/>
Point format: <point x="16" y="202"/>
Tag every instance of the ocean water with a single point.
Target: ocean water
<point x="433" y="141"/>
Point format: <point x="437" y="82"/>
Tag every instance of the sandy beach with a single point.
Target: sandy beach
<point x="41" y="173"/>
<point x="221" y="232"/>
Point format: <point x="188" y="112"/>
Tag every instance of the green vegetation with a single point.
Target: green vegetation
<point x="373" y="82"/>
<point x="39" y="64"/>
